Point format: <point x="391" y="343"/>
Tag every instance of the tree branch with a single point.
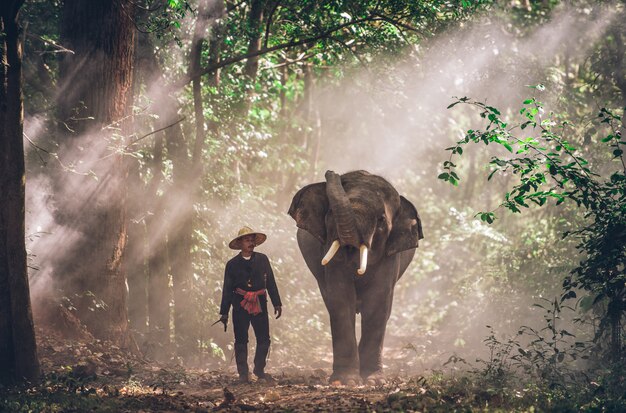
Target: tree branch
<point x="269" y="24"/>
<point x="349" y="49"/>
<point x="226" y="62"/>
<point x="232" y="6"/>
<point x="398" y="23"/>
<point x="155" y="131"/>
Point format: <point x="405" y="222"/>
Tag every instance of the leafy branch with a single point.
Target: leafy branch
<point x="549" y="166"/>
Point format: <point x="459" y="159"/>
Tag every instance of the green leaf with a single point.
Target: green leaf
<point x="493" y="110"/>
<point x="568" y="295"/>
<point x="552" y="169"/>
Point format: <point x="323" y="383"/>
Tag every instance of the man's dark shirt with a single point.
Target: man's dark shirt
<point x="249" y="275"/>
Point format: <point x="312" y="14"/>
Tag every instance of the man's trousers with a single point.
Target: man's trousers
<point x="260" y="324"/>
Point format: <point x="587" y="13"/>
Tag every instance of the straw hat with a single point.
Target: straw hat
<point x="235" y="244"/>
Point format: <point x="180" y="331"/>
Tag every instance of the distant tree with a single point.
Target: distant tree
<point x="18" y="351"/>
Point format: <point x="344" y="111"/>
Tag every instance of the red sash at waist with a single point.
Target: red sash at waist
<point x="250" y="301"/>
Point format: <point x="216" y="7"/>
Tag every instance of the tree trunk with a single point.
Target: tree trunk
<point x="215" y="47"/>
<point x="94" y="106"/>
<point x="179" y="235"/>
<point x="616" y="329"/>
<point x="187" y="177"/>
<point x="135" y="256"/>
<point x="255" y="23"/>
<point x="159" y="292"/>
<point x="313" y="120"/>
<point x="18" y="350"/>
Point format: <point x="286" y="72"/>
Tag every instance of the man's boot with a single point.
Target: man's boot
<point x="260" y="359"/>
<point x="241" y="357"/>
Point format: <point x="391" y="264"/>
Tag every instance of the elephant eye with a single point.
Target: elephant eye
<point x="382" y="221"/>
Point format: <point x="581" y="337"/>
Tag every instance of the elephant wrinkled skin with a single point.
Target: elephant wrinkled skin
<point x="357" y="236"/>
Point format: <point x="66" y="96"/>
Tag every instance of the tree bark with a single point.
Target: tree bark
<point x="255" y="24"/>
<point x="18" y="350"/>
<point x="94" y="106"/>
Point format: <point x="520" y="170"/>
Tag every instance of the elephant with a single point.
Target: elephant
<point x="357" y="236"/>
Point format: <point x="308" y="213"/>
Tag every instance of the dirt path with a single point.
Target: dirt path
<point x="288" y="394"/>
<point x="91" y="376"/>
<point x="94" y="376"/>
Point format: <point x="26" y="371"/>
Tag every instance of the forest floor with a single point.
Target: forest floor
<point x="94" y="376"/>
<point x="91" y="376"/>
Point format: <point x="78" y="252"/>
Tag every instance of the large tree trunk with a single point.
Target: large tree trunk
<point x="94" y="106"/>
<point x="18" y="350"/>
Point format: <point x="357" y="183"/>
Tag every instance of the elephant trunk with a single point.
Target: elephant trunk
<point x="342" y="210"/>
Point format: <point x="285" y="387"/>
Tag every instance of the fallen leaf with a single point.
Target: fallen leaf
<point x="272" y="396"/>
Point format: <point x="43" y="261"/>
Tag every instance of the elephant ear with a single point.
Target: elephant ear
<point x="407" y="229"/>
<point x="309" y="207"/>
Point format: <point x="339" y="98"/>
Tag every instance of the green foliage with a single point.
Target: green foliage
<point x="164" y="19"/>
<point x="550" y="167"/>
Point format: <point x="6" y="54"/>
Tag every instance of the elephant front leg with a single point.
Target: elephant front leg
<point x="373" y="326"/>
<point x="375" y="312"/>
<point x="341" y="303"/>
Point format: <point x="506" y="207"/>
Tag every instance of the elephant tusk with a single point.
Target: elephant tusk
<point x="331" y="252"/>
<point x="363" y="266"/>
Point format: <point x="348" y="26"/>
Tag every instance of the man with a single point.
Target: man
<point x="248" y="279"/>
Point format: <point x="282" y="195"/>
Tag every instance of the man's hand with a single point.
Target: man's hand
<point x="278" y="311"/>
<point x="224" y="320"/>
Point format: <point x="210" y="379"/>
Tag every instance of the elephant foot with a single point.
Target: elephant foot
<point x="344" y="379"/>
<point x="375" y="379"/>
